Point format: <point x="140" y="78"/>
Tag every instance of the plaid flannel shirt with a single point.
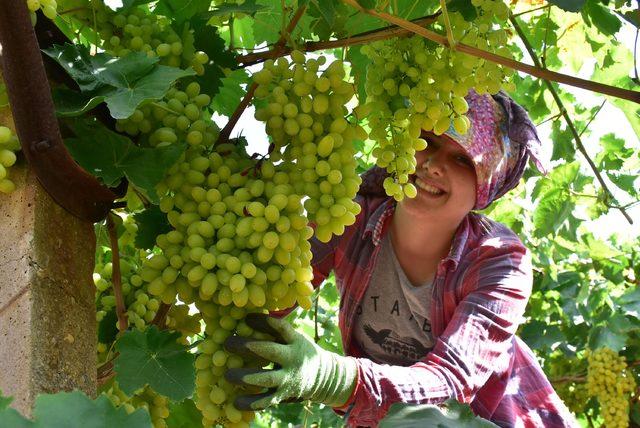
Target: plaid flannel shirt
<point x="479" y="296"/>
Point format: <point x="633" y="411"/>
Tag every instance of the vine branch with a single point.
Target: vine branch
<point x="233" y="120"/>
<point x="121" y="311"/>
<point x="160" y="318"/>
<point x="567" y="118"/>
<point x="536" y="71"/>
<point x="358" y="39"/>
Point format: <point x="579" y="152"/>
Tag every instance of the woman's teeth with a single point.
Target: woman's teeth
<point x="427" y="187"/>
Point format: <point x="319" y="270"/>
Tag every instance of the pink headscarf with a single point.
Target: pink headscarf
<point x="500" y="141"/>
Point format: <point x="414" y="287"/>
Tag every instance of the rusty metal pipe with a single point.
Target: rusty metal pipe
<point x="30" y="99"/>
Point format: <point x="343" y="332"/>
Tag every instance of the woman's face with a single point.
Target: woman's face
<point x="445" y="178"/>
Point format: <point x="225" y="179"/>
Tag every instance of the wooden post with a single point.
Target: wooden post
<point x="47" y="309"/>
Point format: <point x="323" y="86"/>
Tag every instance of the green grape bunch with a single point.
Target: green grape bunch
<point x="49" y="8"/>
<point x="305" y="117"/>
<point x="414" y="85"/>
<point x="138" y="30"/>
<point x="179" y="117"/>
<point x="238" y="244"/>
<point x="9" y="146"/>
<point x="156" y="404"/>
<point x="610" y="380"/>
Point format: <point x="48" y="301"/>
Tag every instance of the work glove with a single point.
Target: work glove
<point x="302" y="370"/>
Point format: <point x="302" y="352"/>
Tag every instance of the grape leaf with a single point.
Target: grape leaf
<point x="181" y="10"/>
<point x="154" y="358"/>
<point x="184" y="414"/>
<point x="594" y="13"/>
<point x="569" y="5"/>
<point x="450" y="414"/>
<point x="75" y="410"/>
<point x="4" y="401"/>
<point x="115" y="156"/>
<point x="123" y="83"/>
<point x="151" y="223"/>
<point x="249" y="7"/>
<point x="231" y="93"/>
<point x="128" y="4"/>
<point x="602" y="336"/>
<point x="466" y="9"/>
<point x="209" y="41"/>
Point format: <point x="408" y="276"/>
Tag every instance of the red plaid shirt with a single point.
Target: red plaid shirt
<point x="479" y="296"/>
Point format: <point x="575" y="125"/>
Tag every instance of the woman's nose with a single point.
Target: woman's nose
<point x="433" y="165"/>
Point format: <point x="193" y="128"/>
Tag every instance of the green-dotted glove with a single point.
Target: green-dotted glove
<point x="302" y="369"/>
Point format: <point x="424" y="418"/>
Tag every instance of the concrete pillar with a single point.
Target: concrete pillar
<point x="47" y="311"/>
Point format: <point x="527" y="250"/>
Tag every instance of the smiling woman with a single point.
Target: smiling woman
<point x="431" y="292"/>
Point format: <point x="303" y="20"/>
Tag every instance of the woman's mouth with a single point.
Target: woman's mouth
<point x="428" y="187"/>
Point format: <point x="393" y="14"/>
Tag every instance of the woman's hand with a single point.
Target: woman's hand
<point x="302" y="369"/>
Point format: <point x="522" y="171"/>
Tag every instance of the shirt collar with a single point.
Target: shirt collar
<point x="378" y="223"/>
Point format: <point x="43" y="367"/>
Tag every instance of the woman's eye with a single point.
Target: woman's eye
<point x="465" y="160"/>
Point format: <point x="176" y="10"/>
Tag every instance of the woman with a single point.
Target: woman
<point x="431" y="292"/>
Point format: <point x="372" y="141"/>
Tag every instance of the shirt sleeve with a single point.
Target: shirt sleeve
<point x="495" y="289"/>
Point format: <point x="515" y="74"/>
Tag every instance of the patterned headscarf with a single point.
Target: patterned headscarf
<point x="500" y="141"/>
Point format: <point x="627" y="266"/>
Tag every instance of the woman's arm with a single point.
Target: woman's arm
<point x="473" y="346"/>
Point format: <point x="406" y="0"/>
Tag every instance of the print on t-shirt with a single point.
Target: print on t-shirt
<point x="408" y="347"/>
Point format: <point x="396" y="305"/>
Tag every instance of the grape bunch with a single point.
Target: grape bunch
<point x="156" y="404"/>
<point x="304" y="114"/>
<point x="238" y="244"/>
<point x="179" y="117"/>
<point x="413" y="85"/>
<point x="9" y="145"/>
<point x="610" y="380"/>
<point x="137" y="30"/>
<point x="49" y="8"/>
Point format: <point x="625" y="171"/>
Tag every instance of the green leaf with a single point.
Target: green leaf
<point x="154" y="358"/>
<point x="128" y="4"/>
<point x="569" y="5"/>
<point x="249" y="7"/>
<point x="209" y="41"/>
<point x="123" y="83"/>
<point x="231" y="93"/>
<point x="184" y="414"/>
<point x="601" y="17"/>
<point x="602" y="336"/>
<point x="107" y="328"/>
<point x="111" y="156"/>
<point x="466" y="9"/>
<point x="75" y="410"/>
<point x="4" y="401"/>
<point x="451" y="414"/>
<point x="181" y="10"/>
<point x="151" y="223"/>
<point x="552" y="210"/>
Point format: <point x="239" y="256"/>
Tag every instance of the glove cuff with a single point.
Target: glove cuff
<point x="338" y="381"/>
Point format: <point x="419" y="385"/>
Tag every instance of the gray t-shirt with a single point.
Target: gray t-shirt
<point x="392" y="324"/>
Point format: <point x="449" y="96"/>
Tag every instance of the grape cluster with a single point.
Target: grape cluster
<point x="610" y="380"/>
<point x="305" y="114"/>
<point x="238" y="244"/>
<point x="137" y="30"/>
<point x="49" y="8"/>
<point x="179" y="117"/>
<point x="413" y="85"/>
<point x="9" y="145"/>
<point x="156" y="404"/>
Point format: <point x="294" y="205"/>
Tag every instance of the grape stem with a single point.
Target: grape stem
<point x="447" y="25"/>
<point x="567" y="118"/>
<point x="358" y="39"/>
<point x="160" y="318"/>
<point x="121" y="311"/>
<point x="246" y="100"/>
<point x="507" y="62"/>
